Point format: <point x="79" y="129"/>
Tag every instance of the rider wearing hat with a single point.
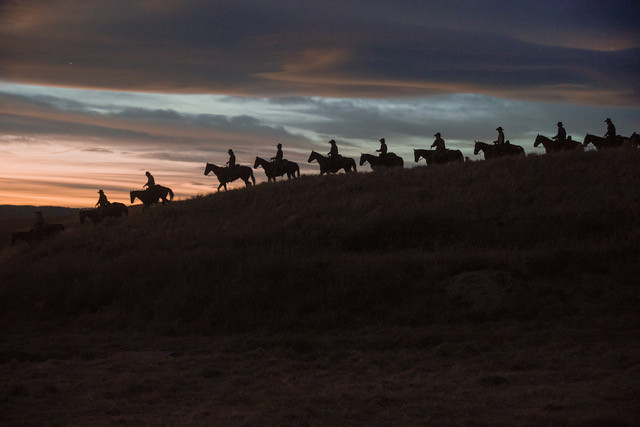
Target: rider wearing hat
<point x="610" y="136"/>
<point x="440" y="147"/>
<point x="102" y="200"/>
<point x="562" y="133"/>
<point x="279" y="156"/>
<point x="333" y="152"/>
<point x="232" y="159"/>
<point x="500" y="141"/>
<point x="150" y="180"/>
<point x="383" y="148"/>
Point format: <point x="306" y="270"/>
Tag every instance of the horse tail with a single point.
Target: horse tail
<point x="253" y="178"/>
<point x="353" y="165"/>
<point x="170" y="193"/>
<point x="297" y="170"/>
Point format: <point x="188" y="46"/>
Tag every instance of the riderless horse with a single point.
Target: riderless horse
<point x="152" y="195"/>
<point x="328" y="165"/>
<point x="230" y="174"/>
<point x="389" y="160"/>
<point x="115" y="210"/>
<point x="551" y="146"/>
<point x="278" y="168"/>
<point x="490" y="150"/>
<point x="431" y="158"/>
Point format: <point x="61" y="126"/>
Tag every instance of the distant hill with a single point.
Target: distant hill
<point x="22" y="211"/>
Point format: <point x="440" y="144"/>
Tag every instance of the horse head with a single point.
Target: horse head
<point x="313" y="156"/>
<point x="363" y="158"/>
<point x="416" y="156"/>
<point x="132" y="194"/>
<point x="208" y="168"/>
<point x="477" y="148"/>
<point x="538" y="141"/>
<point x="256" y="163"/>
<point x="588" y="139"/>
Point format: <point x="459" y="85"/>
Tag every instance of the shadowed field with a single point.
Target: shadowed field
<point x="501" y="292"/>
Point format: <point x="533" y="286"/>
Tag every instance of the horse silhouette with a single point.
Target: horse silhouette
<point x="390" y="160"/>
<point x="603" y="143"/>
<point x="273" y="169"/>
<point x="230" y="174"/>
<point x="152" y="195"/>
<point x="31" y="236"/>
<point x="115" y="210"/>
<point x="551" y="146"/>
<point x="328" y="165"/>
<point x="490" y="150"/>
<point x="429" y="156"/>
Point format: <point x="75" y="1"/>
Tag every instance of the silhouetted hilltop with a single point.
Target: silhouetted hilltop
<point x="543" y="238"/>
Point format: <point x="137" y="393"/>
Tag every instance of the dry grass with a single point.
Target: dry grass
<point x="501" y="292"/>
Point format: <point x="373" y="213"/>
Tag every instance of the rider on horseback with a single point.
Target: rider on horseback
<point x="383" y="151"/>
<point x="279" y="156"/>
<point x="232" y="159"/>
<point x="562" y="134"/>
<point x="610" y="136"/>
<point x="278" y="159"/>
<point x="38" y="227"/>
<point x="102" y="200"/>
<point x="150" y="180"/>
<point x="441" y="150"/>
<point x="383" y="148"/>
<point x="500" y="141"/>
<point x="333" y="153"/>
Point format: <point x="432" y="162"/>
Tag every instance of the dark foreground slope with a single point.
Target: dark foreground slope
<point x="494" y="292"/>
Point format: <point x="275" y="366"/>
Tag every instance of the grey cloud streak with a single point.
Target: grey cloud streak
<point x="139" y="128"/>
<point x="543" y="50"/>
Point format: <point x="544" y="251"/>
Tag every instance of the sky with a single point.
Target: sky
<point x="93" y="93"/>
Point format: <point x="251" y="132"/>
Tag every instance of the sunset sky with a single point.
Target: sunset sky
<point x="93" y="93"/>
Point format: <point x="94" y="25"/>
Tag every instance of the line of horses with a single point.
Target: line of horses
<point x="159" y="193"/>
<point x="329" y="165"/>
<point x="148" y="197"/>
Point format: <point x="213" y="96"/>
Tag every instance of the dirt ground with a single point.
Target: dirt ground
<point x="492" y="373"/>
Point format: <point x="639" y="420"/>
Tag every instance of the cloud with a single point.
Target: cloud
<point x="375" y="49"/>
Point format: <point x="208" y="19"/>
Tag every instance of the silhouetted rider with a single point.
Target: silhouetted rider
<point x="150" y="180"/>
<point x="38" y="227"/>
<point x="500" y="141"/>
<point x="441" y="150"/>
<point x="232" y="159"/>
<point x="279" y="156"/>
<point x="333" y="152"/>
<point x="102" y="200"/>
<point x="610" y="136"/>
<point x="562" y="133"/>
<point x="383" y="148"/>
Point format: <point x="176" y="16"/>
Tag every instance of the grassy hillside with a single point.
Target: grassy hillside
<point x="534" y="239"/>
<point x="484" y="293"/>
